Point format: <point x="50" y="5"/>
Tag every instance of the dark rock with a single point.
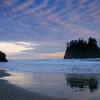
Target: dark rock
<point x="3" y="57"/>
<point x="82" y="49"/>
<point x="3" y="73"/>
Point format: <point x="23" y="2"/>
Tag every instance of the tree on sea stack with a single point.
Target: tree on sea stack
<point x="82" y="49"/>
<point x="3" y="57"/>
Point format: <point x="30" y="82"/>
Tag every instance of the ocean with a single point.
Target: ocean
<point x="72" y="78"/>
<point x="54" y="65"/>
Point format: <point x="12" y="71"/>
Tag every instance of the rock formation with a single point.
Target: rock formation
<point x="82" y="49"/>
<point x="3" y="57"/>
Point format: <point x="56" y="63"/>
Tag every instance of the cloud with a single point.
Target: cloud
<point x="7" y="2"/>
<point x="11" y="48"/>
<point x="48" y="23"/>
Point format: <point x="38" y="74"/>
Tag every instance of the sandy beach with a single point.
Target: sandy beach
<point x="50" y="80"/>
<point x="12" y="92"/>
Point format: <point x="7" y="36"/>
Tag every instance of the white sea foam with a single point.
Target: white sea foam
<point x="54" y="65"/>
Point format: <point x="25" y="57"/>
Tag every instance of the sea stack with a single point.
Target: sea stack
<point x="3" y="57"/>
<point x="77" y="49"/>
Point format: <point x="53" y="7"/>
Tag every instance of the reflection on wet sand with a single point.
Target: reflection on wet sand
<point x="81" y="83"/>
<point x="3" y="73"/>
<point x="10" y="91"/>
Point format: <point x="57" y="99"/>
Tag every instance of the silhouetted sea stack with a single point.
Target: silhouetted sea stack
<point x="3" y="57"/>
<point x="82" y="49"/>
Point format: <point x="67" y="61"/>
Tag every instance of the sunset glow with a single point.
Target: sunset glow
<point x="55" y="55"/>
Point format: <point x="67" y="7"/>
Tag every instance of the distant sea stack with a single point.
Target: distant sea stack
<point x="3" y="57"/>
<point x="82" y="49"/>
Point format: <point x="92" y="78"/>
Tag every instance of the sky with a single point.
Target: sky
<point x="40" y="29"/>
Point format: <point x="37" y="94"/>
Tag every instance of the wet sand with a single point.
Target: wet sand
<point x="11" y="92"/>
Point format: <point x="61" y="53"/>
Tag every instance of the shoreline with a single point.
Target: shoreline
<point x="11" y="92"/>
<point x="77" y="85"/>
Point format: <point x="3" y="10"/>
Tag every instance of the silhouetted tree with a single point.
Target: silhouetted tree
<point x="92" y="42"/>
